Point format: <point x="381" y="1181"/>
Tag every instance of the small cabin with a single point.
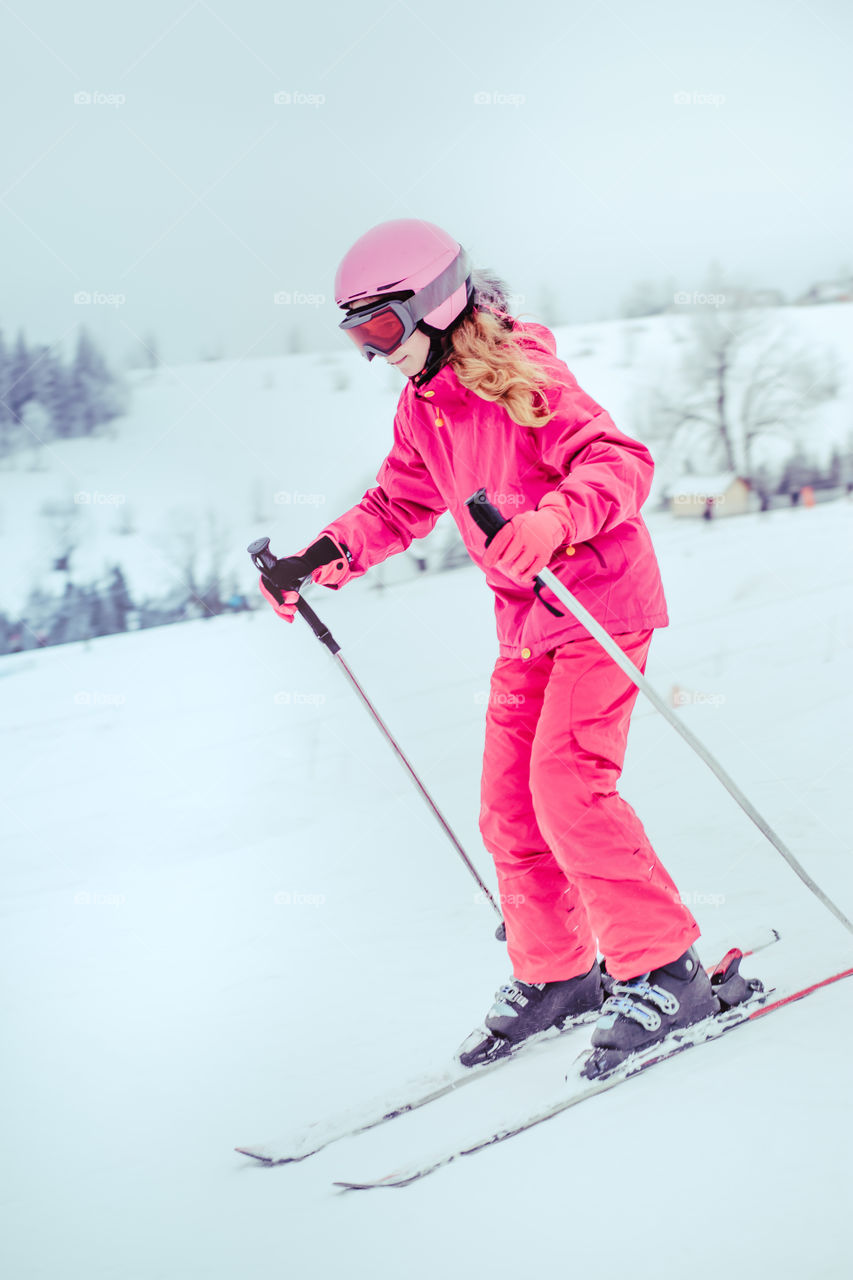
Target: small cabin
<point x="710" y="496"/>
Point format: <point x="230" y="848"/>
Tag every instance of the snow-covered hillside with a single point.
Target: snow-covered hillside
<point x="212" y="455"/>
<point x="227" y="910"/>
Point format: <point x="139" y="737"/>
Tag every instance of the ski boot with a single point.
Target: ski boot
<point x="523" y="1009"/>
<point x="644" y="1010"/>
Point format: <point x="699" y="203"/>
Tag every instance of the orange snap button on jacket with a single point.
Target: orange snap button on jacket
<point x="525" y="653"/>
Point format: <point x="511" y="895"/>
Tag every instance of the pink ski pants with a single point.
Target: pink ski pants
<point x="575" y="867"/>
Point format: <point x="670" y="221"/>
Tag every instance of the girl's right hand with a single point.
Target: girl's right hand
<point x="286" y="607"/>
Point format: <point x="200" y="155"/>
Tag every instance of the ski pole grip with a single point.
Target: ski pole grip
<point x="485" y="514"/>
<point x="263" y="559"/>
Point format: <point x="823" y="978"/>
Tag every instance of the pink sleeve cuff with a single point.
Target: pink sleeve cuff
<point x="557" y="503"/>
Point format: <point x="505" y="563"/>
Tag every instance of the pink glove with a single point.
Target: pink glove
<point x="527" y="542"/>
<point x="327" y="575"/>
<point x="285" y="608"/>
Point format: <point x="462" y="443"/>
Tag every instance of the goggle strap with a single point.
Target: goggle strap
<point x="441" y="288"/>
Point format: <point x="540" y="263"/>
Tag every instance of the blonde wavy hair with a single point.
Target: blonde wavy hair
<point x="488" y="359"/>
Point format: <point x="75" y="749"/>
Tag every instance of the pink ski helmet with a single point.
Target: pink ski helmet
<point x="408" y="255"/>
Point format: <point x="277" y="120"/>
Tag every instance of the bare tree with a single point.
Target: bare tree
<point x="743" y="378"/>
<point x="195" y="549"/>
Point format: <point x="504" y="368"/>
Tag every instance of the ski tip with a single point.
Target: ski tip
<point x="260" y="1156"/>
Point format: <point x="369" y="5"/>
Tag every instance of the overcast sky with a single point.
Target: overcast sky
<point x="617" y="141"/>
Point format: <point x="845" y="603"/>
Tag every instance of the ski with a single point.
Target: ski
<point x="418" y="1093"/>
<point x="757" y="1006"/>
<point x="315" y="1137"/>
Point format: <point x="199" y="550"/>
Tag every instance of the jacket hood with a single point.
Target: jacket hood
<point x="489" y="290"/>
<point x="490" y="293"/>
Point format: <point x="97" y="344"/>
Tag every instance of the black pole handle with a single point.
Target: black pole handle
<point x="263" y="559"/>
<point x="485" y="514"/>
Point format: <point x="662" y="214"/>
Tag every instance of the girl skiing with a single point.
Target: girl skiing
<point x="487" y="402"/>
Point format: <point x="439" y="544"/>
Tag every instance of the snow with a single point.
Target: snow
<point x="702" y="486"/>
<point x="228" y="912"/>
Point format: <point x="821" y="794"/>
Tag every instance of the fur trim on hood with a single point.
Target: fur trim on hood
<point x="490" y="291"/>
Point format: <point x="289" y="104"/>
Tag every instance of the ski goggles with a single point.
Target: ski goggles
<point x="378" y="330"/>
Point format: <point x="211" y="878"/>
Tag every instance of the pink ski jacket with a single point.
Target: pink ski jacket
<point x="449" y="442"/>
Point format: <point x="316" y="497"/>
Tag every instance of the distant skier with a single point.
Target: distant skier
<point x="488" y="403"/>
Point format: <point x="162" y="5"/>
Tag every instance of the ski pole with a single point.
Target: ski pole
<point x="290" y="575"/>
<point x="490" y="520"/>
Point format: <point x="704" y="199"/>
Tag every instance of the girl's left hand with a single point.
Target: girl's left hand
<point x="527" y="542"/>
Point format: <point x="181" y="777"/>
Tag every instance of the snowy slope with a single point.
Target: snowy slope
<point x="216" y="453"/>
<point x="227" y="910"/>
